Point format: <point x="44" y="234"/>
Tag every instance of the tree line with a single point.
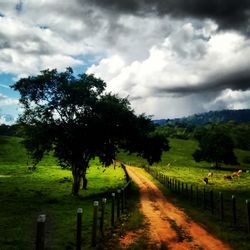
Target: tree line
<point x="239" y="132"/>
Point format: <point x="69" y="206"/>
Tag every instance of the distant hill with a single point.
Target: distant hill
<point x="239" y="116"/>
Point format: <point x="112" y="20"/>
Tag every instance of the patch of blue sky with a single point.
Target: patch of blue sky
<point x="5" y="81"/>
<point x="13" y="109"/>
<point x="10" y="113"/>
<point x="88" y="60"/>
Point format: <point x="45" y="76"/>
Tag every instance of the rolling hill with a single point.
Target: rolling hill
<point x="222" y="116"/>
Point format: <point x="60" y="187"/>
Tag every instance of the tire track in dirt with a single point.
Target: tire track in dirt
<point x="169" y="227"/>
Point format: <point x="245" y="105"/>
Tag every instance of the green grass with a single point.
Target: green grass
<point x="25" y="194"/>
<point x="179" y="164"/>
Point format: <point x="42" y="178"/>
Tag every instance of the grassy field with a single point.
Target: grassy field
<point x="178" y="164"/>
<point x="25" y="194"/>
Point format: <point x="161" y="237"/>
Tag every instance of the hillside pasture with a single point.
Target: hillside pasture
<point x="178" y="163"/>
<point x="24" y="194"/>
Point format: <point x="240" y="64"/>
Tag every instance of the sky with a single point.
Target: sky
<point x="170" y="58"/>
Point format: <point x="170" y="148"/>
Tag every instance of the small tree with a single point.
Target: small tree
<point x="215" y="146"/>
<point x="75" y="118"/>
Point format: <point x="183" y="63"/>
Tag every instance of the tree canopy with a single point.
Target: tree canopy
<point x="76" y="119"/>
<point x="215" y="146"/>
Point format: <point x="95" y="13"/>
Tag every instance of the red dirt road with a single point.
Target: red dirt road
<point x="170" y="228"/>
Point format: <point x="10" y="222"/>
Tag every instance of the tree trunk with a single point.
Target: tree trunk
<point x="84" y="182"/>
<point x="79" y="169"/>
<point x="76" y="179"/>
<point x="84" y="179"/>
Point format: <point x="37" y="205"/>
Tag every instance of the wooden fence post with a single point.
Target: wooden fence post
<point x="128" y="188"/>
<point x="197" y="196"/>
<point x="122" y="199"/>
<point x="118" y="203"/>
<point x="187" y="194"/>
<point x="248" y="215"/>
<point x="191" y="193"/>
<point x="104" y="201"/>
<point x="113" y="210"/>
<point x="221" y="207"/>
<point x="94" y="226"/>
<point x="204" y="199"/>
<point x="79" y="229"/>
<point x="125" y="190"/>
<point x="234" y="209"/>
<point x="40" y="233"/>
<point x="212" y="201"/>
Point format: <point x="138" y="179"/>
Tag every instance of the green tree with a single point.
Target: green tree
<point x="76" y="119"/>
<point x="215" y="146"/>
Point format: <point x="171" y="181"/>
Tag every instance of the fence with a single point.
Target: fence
<point x="226" y="208"/>
<point x="119" y="204"/>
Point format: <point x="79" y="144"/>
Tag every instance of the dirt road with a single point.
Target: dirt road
<point x="170" y="228"/>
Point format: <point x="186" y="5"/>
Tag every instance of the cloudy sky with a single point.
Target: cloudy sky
<point x="171" y="58"/>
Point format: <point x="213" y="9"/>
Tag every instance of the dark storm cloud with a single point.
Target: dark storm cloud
<point x="229" y="14"/>
<point x="235" y="81"/>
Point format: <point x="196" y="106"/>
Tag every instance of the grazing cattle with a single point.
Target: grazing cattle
<point x="205" y="180"/>
<point x="210" y="174"/>
<point x="228" y="177"/>
<point x="236" y="173"/>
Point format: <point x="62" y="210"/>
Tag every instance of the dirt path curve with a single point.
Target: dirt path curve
<point x="170" y="227"/>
